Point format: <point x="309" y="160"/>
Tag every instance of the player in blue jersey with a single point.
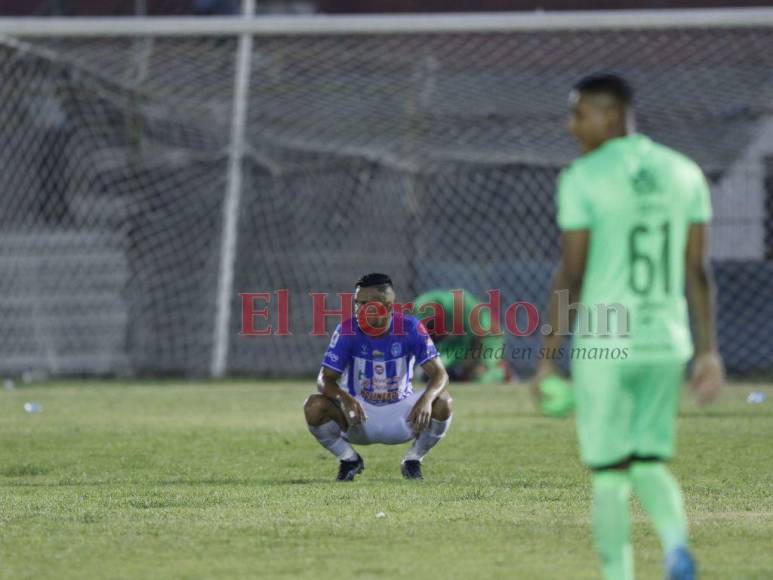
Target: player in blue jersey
<point x="365" y="391"/>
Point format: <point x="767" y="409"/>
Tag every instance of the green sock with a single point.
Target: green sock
<point x="661" y="498"/>
<point x="612" y="524"/>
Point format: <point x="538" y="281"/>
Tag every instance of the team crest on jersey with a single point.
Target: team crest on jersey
<point x="395" y="349"/>
<point x="644" y="182"/>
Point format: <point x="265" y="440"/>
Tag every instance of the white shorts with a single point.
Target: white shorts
<point x="386" y="424"/>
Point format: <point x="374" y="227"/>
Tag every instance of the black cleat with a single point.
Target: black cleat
<point x="348" y="469"/>
<point x="411" y="469"/>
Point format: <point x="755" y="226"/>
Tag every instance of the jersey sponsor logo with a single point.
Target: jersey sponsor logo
<point x="364" y="349"/>
<point x="395" y="349"/>
<point x="332" y="356"/>
<point x="378" y="353"/>
<point x="380" y="396"/>
<point x="379" y="377"/>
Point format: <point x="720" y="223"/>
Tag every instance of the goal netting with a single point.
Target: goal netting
<point x="431" y="156"/>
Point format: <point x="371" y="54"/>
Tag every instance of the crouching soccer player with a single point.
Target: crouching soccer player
<point x="634" y="219"/>
<point x="375" y="402"/>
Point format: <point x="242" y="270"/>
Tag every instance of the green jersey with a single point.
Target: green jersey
<point x="454" y="348"/>
<point x="637" y="198"/>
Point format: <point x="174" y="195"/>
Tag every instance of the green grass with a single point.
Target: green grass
<point x="222" y="480"/>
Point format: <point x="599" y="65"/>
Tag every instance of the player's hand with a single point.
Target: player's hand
<point x="420" y="415"/>
<point x="545" y="368"/>
<point x="352" y="410"/>
<point x="708" y="376"/>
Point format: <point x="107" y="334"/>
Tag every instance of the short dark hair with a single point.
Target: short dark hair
<point x="606" y="84"/>
<point x="382" y="281"/>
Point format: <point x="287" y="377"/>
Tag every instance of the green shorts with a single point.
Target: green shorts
<point x="625" y="409"/>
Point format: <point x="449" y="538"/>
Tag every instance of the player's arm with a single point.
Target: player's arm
<point x="568" y="278"/>
<point x="421" y="414"/>
<point x="438" y="378"/>
<point x="327" y="382"/>
<point x="708" y="372"/>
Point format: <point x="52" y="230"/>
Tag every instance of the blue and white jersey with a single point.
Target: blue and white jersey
<point x="379" y="370"/>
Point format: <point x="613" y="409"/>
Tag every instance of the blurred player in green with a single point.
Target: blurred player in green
<point x="466" y="355"/>
<point x="634" y="219"/>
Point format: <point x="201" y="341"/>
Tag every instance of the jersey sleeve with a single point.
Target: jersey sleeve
<point x="700" y="208"/>
<point x="339" y="351"/>
<point x="573" y="206"/>
<point x="421" y="344"/>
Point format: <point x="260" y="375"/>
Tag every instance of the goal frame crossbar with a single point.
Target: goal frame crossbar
<point x="386" y="24"/>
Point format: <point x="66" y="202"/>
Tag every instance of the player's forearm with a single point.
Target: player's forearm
<point x="330" y="389"/>
<point x="700" y="299"/>
<point x="438" y="381"/>
<point x="561" y="282"/>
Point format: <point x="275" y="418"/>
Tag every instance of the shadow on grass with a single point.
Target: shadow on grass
<point x="25" y="470"/>
<point x="751" y="414"/>
<point x="160" y="483"/>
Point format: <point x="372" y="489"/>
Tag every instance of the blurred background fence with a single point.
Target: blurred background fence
<point x="128" y="191"/>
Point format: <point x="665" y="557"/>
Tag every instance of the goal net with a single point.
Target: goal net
<point x="368" y="145"/>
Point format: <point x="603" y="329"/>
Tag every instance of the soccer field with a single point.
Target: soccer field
<point x="174" y="480"/>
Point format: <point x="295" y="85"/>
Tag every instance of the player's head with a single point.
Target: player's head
<point x="375" y="289"/>
<point x="601" y="108"/>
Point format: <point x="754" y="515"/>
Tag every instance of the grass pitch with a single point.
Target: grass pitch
<point x="173" y="480"/>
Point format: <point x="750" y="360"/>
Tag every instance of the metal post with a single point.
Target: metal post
<point x="232" y="199"/>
